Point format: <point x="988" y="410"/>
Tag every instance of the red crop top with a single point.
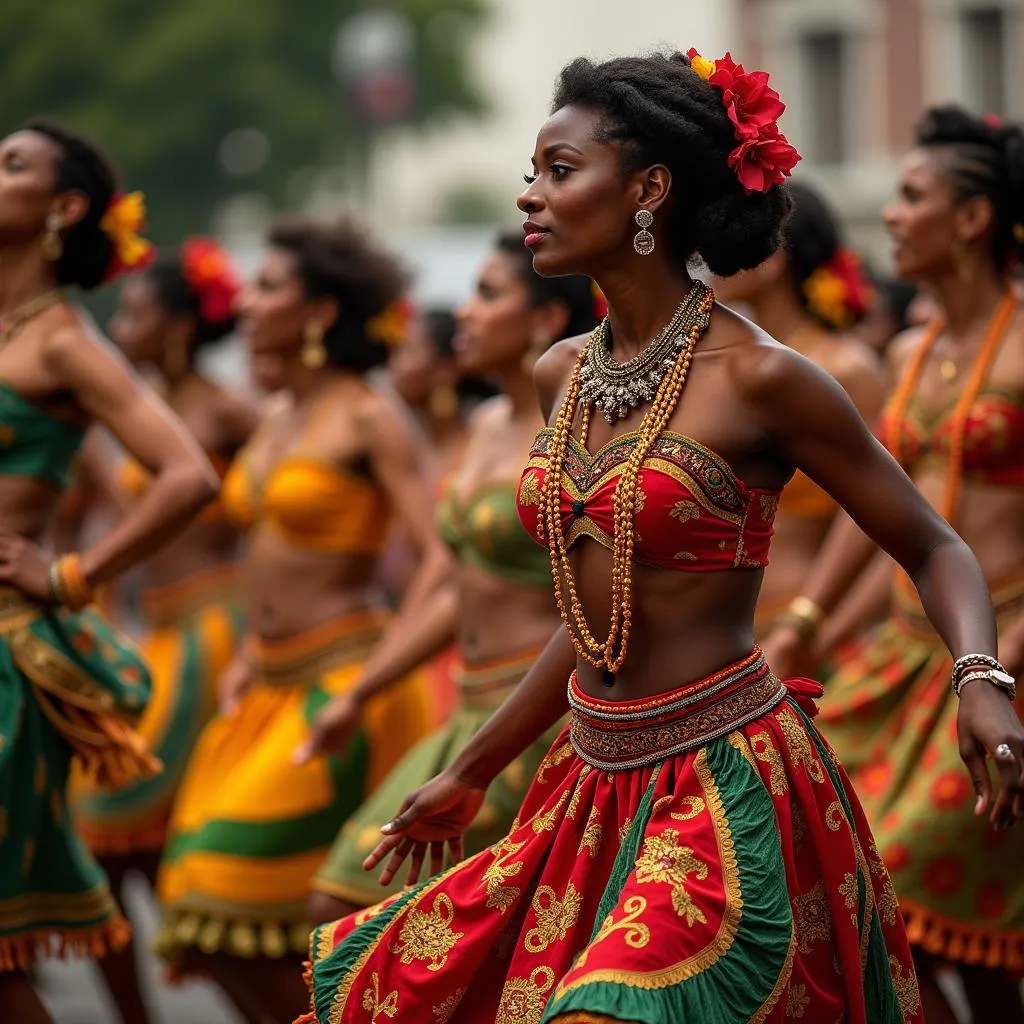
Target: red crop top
<point x="993" y="439"/>
<point x="694" y="513"/>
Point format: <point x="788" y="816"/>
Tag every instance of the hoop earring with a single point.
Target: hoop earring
<point x="53" y="244"/>
<point x="313" y="354"/>
<point x="643" y="241"/>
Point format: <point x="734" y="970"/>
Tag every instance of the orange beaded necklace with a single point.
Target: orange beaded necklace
<point x="994" y="334"/>
<point x="609" y="654"/>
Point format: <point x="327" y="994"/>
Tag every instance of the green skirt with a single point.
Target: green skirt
<point x="891" y="715"/>
<point x="68" y="686"/>
<point x="482" y="689"/>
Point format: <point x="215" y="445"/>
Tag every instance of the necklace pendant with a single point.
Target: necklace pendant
<point x="608" y="679"/>
<point x="947" y="370"/>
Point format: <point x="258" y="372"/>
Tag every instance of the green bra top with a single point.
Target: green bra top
<point x="34" y="443"/>
<point x="484" y="530"/>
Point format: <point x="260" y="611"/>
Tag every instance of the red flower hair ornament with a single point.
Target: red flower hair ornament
<point x="763" y="157"/>
<point x="210" y="276"/>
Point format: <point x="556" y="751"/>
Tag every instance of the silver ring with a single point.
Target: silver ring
<point x="1003" y="752"/>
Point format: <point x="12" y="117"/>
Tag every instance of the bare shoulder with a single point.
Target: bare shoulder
<point x="902" y="347"/>
<point x="71" y="344"/>
<point x="488" y="416"/>
<point x="552" y="371"/>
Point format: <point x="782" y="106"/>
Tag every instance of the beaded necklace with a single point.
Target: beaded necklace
<point x="610" y="654"/>
<point x="994" y="334"/>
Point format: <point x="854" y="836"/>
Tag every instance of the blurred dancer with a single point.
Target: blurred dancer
<point x="499" y="608"/>
<point x="69" y="685"/>
<point x="189" y="590"/>
<point x="689" y="849"/>
<point x="956" y="423"/>
<point x="316" y="487"/>
<point x="809" y="294"/>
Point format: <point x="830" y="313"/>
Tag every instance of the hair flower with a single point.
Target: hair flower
<point x="837" y="292"/>
<point x="208" y="272"/>
<point x="390" y="327"/>
<point x="764" y="157"/>
<point x="124" y="218"/>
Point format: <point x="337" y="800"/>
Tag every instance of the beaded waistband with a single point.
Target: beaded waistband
<point x="619" y="735"/>
<point x="485" y="686"/>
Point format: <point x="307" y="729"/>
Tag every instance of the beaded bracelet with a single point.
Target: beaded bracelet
<point x="67" y="582"/>
<point x="981" y="666"/>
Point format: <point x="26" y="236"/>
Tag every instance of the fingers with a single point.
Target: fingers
<point x="310" y="747"/>
<point x="380" y="851"/>
<point x="975" y="762"/>
<point x="458" y="848"/>
<point x="399" y="854"/>
<point x="419" y="852"/>
<point x="436" y="858"/>
<point x="1009" y="769"/>
<point x="407" y="814"/>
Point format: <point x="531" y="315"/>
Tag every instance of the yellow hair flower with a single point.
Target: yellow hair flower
<point x="124" y="219"/>
<point x="826" y="295"/>
<point x="391" y="325"/>
<point x="701" y="65"/>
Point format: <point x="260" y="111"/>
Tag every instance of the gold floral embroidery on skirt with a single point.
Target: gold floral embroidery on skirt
<point x="428" y="935"/>
<point x="555" y="917"/>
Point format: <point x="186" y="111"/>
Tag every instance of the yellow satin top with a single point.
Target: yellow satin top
<point x="311" y="503"/>
<point x="802" y="498"/>
<point x="134" y="479"/>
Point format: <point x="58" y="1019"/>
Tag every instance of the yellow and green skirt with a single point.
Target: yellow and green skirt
<point x="69" y="688"/>
<point x="891" y="714"/>
<point x="194" y="627"/>
<point x="482" y="689"/>
<point x="250" y="826"/>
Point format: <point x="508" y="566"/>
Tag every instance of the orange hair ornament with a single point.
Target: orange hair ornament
<point x="391" y="325"/>
<point x="124" y="219"/>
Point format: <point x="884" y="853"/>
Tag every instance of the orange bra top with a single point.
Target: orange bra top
<point x="993" y="439"/>
<point x="311" y="503"/>
<point x="694" y="513"/>
<point x="134" y="479"/>
<point x="802" y="498"/>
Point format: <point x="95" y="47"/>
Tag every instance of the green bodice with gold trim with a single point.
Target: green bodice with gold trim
<point x="33" y="442"/>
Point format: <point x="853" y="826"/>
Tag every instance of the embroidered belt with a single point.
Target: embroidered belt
<point x="305" y="659"/>
<point x="483" y="687"/>
<point x="178" y="602"/>
<point x="619" y="735"/>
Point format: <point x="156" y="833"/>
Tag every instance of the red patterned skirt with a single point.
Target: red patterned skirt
<point x="695" y="856"/>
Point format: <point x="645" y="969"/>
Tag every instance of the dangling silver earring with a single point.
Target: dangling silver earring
<point x="53" y="244"/>
<point x="643" y="241"/>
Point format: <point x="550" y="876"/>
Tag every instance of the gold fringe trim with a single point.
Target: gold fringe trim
<point x="17" y="952"/>
<point x="237" y="937"/>
<point x="307" y="977"/>
<point x="962" y="943"/>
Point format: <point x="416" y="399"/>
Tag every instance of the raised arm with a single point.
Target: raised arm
<point x="816" y="423"/>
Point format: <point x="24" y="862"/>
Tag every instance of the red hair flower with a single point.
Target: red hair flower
<point x="210" y="276"/>
<point x="764" y="157"/>
<point x="122" y="222"/>
<point x="838" y="292"/>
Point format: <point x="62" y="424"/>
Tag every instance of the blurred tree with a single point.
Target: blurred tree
<point x="200" y="99"/>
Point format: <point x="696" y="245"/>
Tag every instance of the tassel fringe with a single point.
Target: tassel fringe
<point x="963" y="943"/>
<point x="18" y="952"/>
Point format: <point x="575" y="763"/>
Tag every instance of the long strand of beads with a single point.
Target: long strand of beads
<point x="611" y="654"/>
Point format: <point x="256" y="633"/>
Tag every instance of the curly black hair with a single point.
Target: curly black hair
<point x="982" y="157"/>
<point x="575" y="292"/>
<point x="339" y="260"/>
<point x="177" y="298"/>
<point x="81" y="167"/>
<point x="662" y="112"/>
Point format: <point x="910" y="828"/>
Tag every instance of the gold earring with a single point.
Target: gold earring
<point x="53" y="244"/>
<point x="643" y="240"/>
<point x="313" y="355"/>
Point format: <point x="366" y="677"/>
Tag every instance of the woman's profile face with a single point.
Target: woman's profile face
<point x="922" y="219"/>
<point x="578" y="205"/>
<point x="139" y="322"/>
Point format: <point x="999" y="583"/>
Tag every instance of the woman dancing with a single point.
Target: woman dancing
<point x="189" y="590"/>
<point x="956" y="423"/>
<point x="316" y="488"/>
<point x="690" y="849"/>
<point x="499" y="608"/>
<point x="68" y="686"/>
<point x="807" y="295"/>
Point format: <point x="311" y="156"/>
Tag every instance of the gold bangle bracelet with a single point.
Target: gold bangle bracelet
<point x="806" y="614"/>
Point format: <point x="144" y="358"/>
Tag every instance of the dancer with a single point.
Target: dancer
<point x="71" y="687"/>
<point x="689" y="849"/>
<point x="189" y="591"/>
<point x="499" y="608"/>
<point x="956" y="423"/>
<point x="808" y="294"/>
<point x="316" y="486"/>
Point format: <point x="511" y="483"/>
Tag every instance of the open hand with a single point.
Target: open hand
<point x="987" y="720"/>
<point x="436" y="814"/>
<point x="23" y="565"/>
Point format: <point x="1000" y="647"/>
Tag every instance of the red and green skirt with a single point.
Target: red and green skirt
<point x="891" y="715"/>
<point x="698" y="856"/>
